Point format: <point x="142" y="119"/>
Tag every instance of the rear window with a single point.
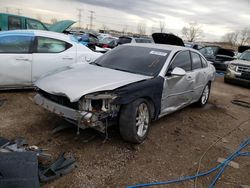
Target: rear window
<point x="34" y="24"/>
<point x="196" y="63"/>
<point x="133" y="59"/>
<point x="49" y="45"/>
<point x="143" y="41"/>
<point x="124" y="40"/>
<point x="14" y="22"/>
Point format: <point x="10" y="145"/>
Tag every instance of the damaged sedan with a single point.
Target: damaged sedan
<point x="130" y="85"/>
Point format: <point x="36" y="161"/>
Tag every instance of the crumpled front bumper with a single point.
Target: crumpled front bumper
<point x="58" y="109"/>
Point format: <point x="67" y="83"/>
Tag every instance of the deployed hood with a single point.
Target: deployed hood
<point x="242" y="49"/>
<point x="167" y="38"/>
<point x="61" y="26"/>
<point x="84" y="79"/>
<point x="225" y="52"/>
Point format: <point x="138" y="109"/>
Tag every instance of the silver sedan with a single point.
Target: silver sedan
<point x="130" y="86"/>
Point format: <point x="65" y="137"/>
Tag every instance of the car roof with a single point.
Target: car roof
<point x="36" y="32"/>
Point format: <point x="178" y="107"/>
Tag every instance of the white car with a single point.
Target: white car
<point x="130" y="85"/>
<point x="26" y="55"/>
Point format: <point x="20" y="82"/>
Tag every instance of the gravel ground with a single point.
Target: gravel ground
<point x="173" y="148"/>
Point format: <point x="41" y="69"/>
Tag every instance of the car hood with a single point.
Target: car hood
<point x="61" y="26"/>
<point x="167" y="38"/>
<point x="240" y="62"/>
<point x="83" y="79"/>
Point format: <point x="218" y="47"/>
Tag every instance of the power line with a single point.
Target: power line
<point x="7" y="9"/>
<point x="18" y="11"/>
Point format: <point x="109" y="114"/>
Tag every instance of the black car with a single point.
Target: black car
<point x="218" y="56"/>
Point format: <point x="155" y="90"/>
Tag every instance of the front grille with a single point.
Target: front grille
<point x="243" y="69"/>
<point x="59" y="99"/>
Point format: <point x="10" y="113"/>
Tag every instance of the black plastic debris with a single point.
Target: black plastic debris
<point x="62" y="166"/>
<point x="18" y="170"/>
<point x="2" y="101"/>
<point x="19" y="167"/>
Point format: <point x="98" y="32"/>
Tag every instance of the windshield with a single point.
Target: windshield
<point x="134" y="59"/>
<point x="208" y="51"/>
<point x="245" y="56"/>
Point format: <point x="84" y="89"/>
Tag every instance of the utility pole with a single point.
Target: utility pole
<point x="7" y="9"/>
<point x="91" y="18"/>
<point x="18" y="11"/>
<point x="79" y="17"/>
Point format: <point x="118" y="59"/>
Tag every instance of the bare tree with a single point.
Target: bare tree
<point x="53" y="20"/>
<point x="162" y="26"/>
<point x="104" y="28"/>
<point x="192" y="32"/>
<point x="244" y="36"/>
<point x="141" y="28"/>
<point x="231" y="38"/>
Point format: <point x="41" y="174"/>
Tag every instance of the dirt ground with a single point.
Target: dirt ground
<point x="173" y="148"/>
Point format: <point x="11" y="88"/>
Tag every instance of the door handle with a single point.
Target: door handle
<point x="67" y="58"/>
<point x="22" y="59"/>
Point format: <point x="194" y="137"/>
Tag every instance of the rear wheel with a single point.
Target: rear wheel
<point x="134" y="121"/>
<point x="204" y="96"/>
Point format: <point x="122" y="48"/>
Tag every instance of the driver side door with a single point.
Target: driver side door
<point x="178" y="90"/>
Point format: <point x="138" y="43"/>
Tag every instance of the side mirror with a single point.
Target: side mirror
<point x="178" y="72"/>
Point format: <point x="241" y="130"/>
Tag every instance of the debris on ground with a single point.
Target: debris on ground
<point x="2" y="101"/>
<point x="20" y="166"/>
<point x="62" y="166"/>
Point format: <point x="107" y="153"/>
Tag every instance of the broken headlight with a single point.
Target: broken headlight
<point x="97" y="102"/>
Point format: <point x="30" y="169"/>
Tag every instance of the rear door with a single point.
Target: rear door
<point x="51" y="54"/>
<point x="15" y="60"/>
<point x="178" y="90"/>
<point x="200" y="74"/>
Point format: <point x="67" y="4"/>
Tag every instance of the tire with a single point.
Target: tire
<point x="134" y="126"/>
<point x="204" y="96"/>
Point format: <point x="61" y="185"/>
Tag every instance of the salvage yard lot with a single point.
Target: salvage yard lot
<point x="173" y="148"/>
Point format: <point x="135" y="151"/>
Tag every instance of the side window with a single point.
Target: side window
<point x="49" y="45"/>
<point x="196" y="61"/>
<point x="14" y="22"/>
<point x="15" y="44"/>
<point x="182" y="60"/>
<point x="204" y="62"/>
<point x="34" y="24"/>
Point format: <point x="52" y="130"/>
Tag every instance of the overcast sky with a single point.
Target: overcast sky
<point x="216" y="17"/>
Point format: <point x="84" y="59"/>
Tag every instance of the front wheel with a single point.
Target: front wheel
<point x="205" y="96"/>
<point x="134" y="121"/>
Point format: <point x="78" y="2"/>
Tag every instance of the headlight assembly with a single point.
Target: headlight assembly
<point x="232" y="67"/>
<point x="97" y="102"/>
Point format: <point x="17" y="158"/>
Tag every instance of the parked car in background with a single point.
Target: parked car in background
<point x="126" y="40"/>
<point x="167" y="38"/>
<point x="16" y="22"/>
<point x="108" y="42"/>
<point x="89" y="40"/>
<point x="25" y="55"/>
<point x="220" y="57"/>
<point x="132" y="85"/>
<point x="238" y="71"/>
<point x="193" y="45"/>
